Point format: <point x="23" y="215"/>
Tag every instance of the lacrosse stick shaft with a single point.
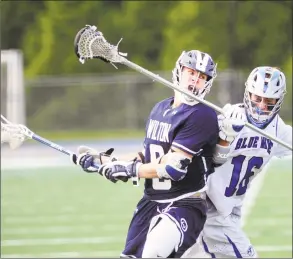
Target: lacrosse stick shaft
<point x="57" y="147"/>
<point x="90" y="43"/>
<point x="51" y="144"/>
<point x="163" y="81"/>
<point x="31" y="135"/>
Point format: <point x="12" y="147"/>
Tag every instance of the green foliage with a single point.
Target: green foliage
<point x="16" y="17"/>
<point x="40" y="49"/>
<point x="238" y="34"/>
<point x="264" y="33"/>
<point x="51" y="52"/>
<point x="287" y="69"/>
<point x="181" y="32"/>
<point x="142" y="26"/>
<point x="56" y="28"/>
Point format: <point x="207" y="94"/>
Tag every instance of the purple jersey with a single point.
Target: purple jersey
<point x="194" y="130"/>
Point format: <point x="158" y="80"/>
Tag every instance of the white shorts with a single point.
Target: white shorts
<point x="222" y="237"/>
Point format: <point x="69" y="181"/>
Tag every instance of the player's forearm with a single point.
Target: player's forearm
<point x="172" y="166"/>
<point x="148" y="171"/>
<point x="221" y="152"/>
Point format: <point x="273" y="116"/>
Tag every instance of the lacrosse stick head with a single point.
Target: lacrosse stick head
<point x="13" y="134"/>
<point x="90" y="43"/>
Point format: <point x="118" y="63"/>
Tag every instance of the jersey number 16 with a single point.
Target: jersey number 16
<point x="240" y="189"/>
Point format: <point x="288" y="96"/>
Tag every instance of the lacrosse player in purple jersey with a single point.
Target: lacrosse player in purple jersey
<point x="247" y="154"/>
<point x="181" y="136"/>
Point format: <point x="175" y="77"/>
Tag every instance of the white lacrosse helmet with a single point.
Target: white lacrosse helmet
<point x="196" y="60"/>
<point x="267" y="82"/>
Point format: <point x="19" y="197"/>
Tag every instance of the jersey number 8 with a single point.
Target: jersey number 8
<point x="157" y="151"/>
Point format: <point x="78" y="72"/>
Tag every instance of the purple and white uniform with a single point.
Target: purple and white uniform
<point x="194" y="130"/>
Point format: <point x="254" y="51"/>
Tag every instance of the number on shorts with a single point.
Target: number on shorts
<point x="254" y="162"/>
<point x="157" y="151"/>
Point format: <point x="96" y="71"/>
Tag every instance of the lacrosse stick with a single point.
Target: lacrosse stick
<point x="90" y="43"/>
<point x="16" y="134"/>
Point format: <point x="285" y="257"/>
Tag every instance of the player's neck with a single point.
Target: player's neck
<point x="177" y="100"/>
<point x="176" y="103"/>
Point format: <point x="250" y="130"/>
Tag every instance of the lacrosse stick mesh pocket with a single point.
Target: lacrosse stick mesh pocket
<point x="90" y="43"/>
<point x="12" y="134"/>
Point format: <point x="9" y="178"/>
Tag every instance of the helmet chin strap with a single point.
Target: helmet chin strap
<point x="259" y="118"/>
<point x="259" y="111"/>
<point x="185" y="99"/>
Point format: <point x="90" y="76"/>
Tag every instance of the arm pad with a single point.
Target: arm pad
<point x="175" y="168"/>
<point x="221" y="154"/>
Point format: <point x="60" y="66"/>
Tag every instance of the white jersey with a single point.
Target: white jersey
<point x="248" y="155"/>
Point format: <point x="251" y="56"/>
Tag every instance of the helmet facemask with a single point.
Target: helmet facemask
<point x="193" y="61"/>
<point x="265" y="82"/>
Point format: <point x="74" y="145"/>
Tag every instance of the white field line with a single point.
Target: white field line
<point x="31" y="163"/>
<point x="254" y="190"/>
<point x="62" y="218"/>
<point x="19" y="231"/>
<point x="282" y="221"/>
<point x="60" y="241"/>
<point x="113" y="253"/>
<point x="100" y="254"/>
<point x="248" y="205"/>
<point x="273" y="248"/>
<point x="251" y="196"/>
<point x="285" y="233"/>
<point x="8" y="163"/>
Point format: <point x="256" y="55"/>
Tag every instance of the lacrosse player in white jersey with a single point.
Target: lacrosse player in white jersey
<point x="247" y="154"/>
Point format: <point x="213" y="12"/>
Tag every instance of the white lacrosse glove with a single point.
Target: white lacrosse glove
<point x="121" y="170"/>
<point x="14" y="134"/>
<point x="231" y="122"/>
<point x="14" y="140"/>
<point x="86" y="157"/>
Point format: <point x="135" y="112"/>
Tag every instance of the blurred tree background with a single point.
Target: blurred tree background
<point x="239" y="35"/>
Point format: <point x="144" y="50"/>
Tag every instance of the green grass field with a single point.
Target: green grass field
<point x="269" y="224"/>
<point x="64" y="212"/>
